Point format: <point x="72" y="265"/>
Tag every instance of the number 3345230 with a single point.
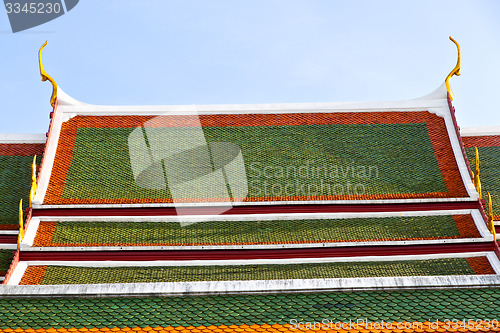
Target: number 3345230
<point x="33" y="8"/>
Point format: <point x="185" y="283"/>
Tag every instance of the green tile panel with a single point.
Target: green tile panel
<point x="15" y="184"/>
<point x="376" y="156"/>
<point x="389" y="306"/>
<point x="251" y="232"/>
<point x="5" y="259"/>
<point x="89" y="275"/>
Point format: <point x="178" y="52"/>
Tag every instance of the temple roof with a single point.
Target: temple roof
<point x="243" y="218"/>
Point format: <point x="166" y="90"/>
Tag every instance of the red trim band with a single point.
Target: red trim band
<point x="259" y="209"/>
<point x="321" y="252"/>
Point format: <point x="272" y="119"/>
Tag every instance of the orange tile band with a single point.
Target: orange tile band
<point x="481" y="265"/>
<point x="337" y="327"/>
<point x="21" y="149"/>
<point x="481" y="141"/>
<point x="466" y="226"/>
<point x="9" y="227"/>
<point x="33" y="275"/>
<point x="45" y="233"/>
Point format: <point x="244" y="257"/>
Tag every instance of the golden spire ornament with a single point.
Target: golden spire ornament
<point x="491" y="226"/>
<point x="475" y="175"/>
<point x="455" y="71"/>
<point x="46" y="76"/>
<point x="33" y="180"/>
<point x="21" y="225"/>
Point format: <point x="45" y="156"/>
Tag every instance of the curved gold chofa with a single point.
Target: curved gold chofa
<point x="475" y="176"/>
<point x="33" y="180"/>
<point x="455" y="71"/>
<point x="21" y="225"/>
<point x="491" y="226"/>
<point x="46" y="76"/>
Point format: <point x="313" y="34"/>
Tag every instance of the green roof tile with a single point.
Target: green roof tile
<point x="5" y="259"/>
<point x="228" y="310"/>
<point x="15" y="180"/>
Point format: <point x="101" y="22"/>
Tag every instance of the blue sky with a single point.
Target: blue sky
<point x="124" y="52"/>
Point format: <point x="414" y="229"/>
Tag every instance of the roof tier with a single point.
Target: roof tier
<point x="88" y="273"/>
<point x="254" y="154"/>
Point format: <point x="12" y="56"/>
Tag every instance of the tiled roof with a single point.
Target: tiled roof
<point x="489" y="165"/>
<point x="47" y="275"/>
<point x="254" y="312"/>
<point x="5" y="259"/>
<point x="292" y="157"/>
<point x="15" y="179"/>
<point x="384" y="151"/>
<point x="72" y="233"/>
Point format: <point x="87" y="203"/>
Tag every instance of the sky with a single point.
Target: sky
<point x="177" y="52"/>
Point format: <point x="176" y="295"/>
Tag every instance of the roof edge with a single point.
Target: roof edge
<point x="17" y="138"/>
<point x="74" y="107"/>
<point x="480" y="131"/>
<point x="65" y="99"/>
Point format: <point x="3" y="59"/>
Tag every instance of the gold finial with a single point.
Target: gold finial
<point x="455" y="71"/>
<point x="33" y="180"/>
<point x="491" y="226"/>
<point x="21" y="225"/>
<point x="46" y="76"/>
<point x="475" y="176"/>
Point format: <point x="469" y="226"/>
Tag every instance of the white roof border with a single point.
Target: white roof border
<point x="259" y="203"/>
<point x="480" y="131"/>
<point x="257" y="216"/>
<point x="259" y="246"/>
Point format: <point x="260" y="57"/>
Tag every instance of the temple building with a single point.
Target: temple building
<point x="313" y="217"/>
